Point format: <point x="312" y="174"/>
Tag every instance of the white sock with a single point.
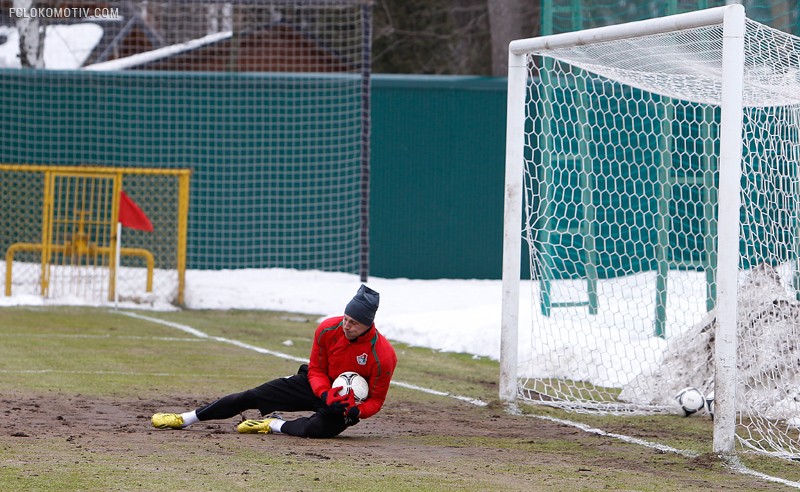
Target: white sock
<point x="276" y="425"/>
<point x="189" y="418"/>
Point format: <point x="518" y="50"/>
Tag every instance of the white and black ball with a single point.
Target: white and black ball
<point x="690" y="400"/>
<point x="352" y="381"/>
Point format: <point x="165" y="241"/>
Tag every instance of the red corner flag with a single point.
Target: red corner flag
<point x="130" y="215"/>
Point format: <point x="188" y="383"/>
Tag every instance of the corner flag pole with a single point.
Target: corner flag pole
<point x="117" y="249"/>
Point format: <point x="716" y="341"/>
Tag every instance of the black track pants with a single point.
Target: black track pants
<point x="289" y="394"/>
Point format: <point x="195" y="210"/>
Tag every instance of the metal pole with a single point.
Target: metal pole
<point x="366" y="71"/>
<point x="512" y="217"/>
<point x="730" y="172"/>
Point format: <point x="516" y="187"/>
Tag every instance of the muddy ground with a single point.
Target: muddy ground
<point x="444" y="436"/>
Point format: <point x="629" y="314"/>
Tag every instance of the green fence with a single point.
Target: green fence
<point x="275" y="158"/>
<point x="437" y="158"/>
<point x="438" y="161"/>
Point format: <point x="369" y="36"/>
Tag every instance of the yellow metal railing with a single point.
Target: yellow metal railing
<point x="80" y="210"/>
<point x="69" y="249"/>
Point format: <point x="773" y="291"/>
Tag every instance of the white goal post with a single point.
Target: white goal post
<point x="652" y="176"/>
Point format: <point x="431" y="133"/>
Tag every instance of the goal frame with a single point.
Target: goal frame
<point x="732" y="17"/>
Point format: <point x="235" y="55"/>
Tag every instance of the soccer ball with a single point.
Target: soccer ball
<point x="690" y="400"/>
<point x="710" y="404"/>
<point x="352" y="381"/>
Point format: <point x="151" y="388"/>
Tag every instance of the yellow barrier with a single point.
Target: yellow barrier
<point x="80" y="211"/>
<point x="68" y="249"/>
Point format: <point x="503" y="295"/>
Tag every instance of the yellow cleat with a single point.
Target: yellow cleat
<point x="167" y="421"/>
<point x="255" y="426"/>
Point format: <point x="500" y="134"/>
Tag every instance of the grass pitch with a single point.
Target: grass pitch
<point x="78" y="385"/>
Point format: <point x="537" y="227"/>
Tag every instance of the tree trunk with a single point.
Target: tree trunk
<point x="509" y="20"/>
<point x="31" y="36"/>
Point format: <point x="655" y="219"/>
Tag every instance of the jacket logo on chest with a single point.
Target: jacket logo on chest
<point x="362" y="359"/>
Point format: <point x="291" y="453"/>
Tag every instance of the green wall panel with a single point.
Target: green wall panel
<point x="438" y="160"/>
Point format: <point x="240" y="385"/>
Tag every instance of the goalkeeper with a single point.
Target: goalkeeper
<point x="342" y="343"/>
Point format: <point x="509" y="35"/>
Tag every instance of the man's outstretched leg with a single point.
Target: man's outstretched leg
<point x="323" y="424"/>
<point x="288" y="394"/>
<point x="224" y="408"/>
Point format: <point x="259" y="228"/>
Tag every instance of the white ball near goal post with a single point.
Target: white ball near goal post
<point x="691" y="400"/>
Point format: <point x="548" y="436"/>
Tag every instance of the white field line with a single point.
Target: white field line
<point x="513" y="409"/>
<point x="621" y="437"/>
<point x="122" y="373"/>
<point x="104" y="337"/>
<point x="260" y="350"/>
<point x="467" y="399"/>
<point x="732" y="463"/>
<point x="205" y="336"/>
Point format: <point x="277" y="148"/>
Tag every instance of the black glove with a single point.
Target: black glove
<point x="351" y="416"/>
<point x="334" y="403"/>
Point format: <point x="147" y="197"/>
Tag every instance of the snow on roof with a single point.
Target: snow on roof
<point x="158" y="54"/>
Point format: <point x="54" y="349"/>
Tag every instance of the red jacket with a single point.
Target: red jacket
<point x="370" y="355"/>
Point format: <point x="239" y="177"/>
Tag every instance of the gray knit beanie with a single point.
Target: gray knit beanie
<point x="363" y="306"/>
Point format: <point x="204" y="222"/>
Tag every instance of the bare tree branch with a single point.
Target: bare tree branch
<point x="31" y="35"/>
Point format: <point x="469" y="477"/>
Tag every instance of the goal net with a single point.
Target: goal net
<point x="267" y="103"/>
<point x="630" y="181"/>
